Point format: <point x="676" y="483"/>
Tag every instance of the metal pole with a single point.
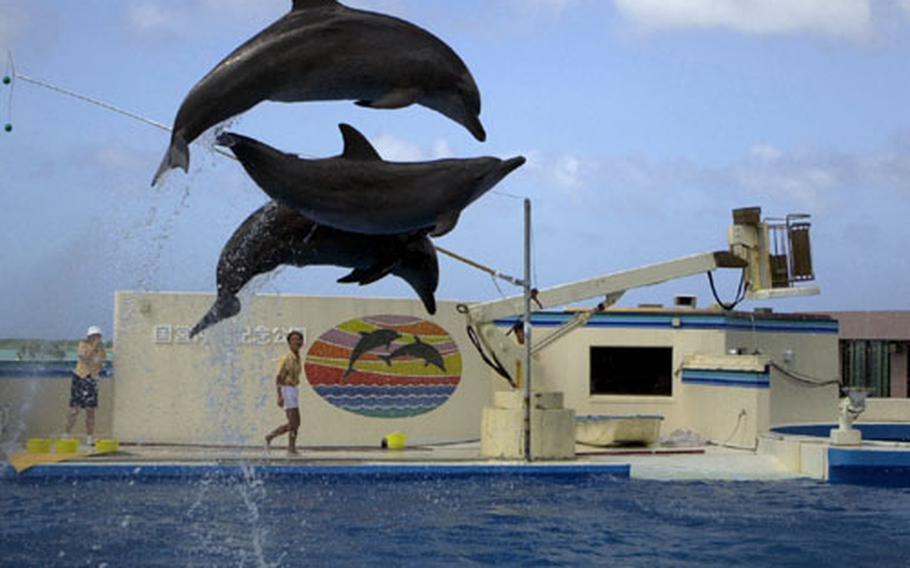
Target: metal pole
<point x="527" y="331"/>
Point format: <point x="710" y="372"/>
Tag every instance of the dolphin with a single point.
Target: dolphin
<point x="359" y="192"/>
<point x="324" y="51"/>
<point x="368" y="342"/>
<point x="275" y="235"/>
<point x="419" y="350"/>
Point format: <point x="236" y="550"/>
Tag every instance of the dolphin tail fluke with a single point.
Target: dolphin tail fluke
<point x="347" y="373"/>
<point x="420" y="269"/>
<point x="364" y="276"/>
<point x="177" y="156"/>
<point x="223" y="308"/>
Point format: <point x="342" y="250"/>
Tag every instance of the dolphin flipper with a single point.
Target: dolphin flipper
<point x="177" y="156"/>
<point x="445" y="223"/>
<point x="364" y="276"/>
<point x="396" y="98"/>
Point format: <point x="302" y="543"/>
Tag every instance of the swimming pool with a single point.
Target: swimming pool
<point x="884" y="431"/>
<point x="425" y="519"/>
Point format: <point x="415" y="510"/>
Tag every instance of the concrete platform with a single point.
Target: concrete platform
<point x="703" y="463"/>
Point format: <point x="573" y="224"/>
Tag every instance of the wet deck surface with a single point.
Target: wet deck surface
<point x="701" y="463"/>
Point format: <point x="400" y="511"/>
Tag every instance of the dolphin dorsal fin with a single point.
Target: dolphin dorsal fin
<point x="310" y="4"/>
<point x="356" y="145"/>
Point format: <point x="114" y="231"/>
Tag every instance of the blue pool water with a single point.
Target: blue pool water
<point x="431" y="520"/>
<point x="892" y="432"/>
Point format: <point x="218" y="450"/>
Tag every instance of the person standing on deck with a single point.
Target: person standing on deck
<point x="286" y="382"/>
<point x="84" y="387"/>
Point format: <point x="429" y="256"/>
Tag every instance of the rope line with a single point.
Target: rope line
<point x="483" y="268"/>
<point x="90" y="100"/>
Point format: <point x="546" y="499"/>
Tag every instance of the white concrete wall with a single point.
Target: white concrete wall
<point x="886" y="410"/>
<point x="221" y="390"/>
<point x="812" y="356"/>
<point x="565" y="366"/>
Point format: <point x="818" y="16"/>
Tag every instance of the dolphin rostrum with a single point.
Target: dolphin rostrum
<point x="419" y="350"/>
<point x="360" y="192"/>
<point x="275" y="235"/>
<point x="324" y="51"/>
<point x="368" y="342"/>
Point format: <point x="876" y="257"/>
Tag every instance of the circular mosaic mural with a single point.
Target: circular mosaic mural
<point x="384" y="366"/>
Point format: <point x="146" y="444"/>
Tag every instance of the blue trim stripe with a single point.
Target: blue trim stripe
<point x="387" y="401"/>
<point x="168" y="471"/>
<point x="44" y="369"/>
<point x="356" y="390"/>
<point x="889" y="468"/>
<point x="727" y="378"/>
<point x="685" y="321"/>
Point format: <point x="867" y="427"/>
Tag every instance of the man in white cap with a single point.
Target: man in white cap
<point x="84" y="388"/>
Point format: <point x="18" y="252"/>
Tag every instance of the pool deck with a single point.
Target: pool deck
<point x="697" y="463"/>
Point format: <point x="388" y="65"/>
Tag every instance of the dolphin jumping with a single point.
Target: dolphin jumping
<point x="275" y="235"/>
<point x="324" y="51"/>
<point x="360" y="192"/>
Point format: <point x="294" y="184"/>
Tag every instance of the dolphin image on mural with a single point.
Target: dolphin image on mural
<point x="359" y="192"/>
<point x="368" y="342"/>
<point x="324" y="51"/>
<point x="419" y="350"/>
<point x="275" y="235"/>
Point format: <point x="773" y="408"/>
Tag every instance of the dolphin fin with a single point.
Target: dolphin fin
<point x="309" y="4"/>
<point x="445" y="223"/>
<point x="396" y="98"/>
<point x="364" y="276"/>
<point x="356" y="145"/>
<point x="177" y="156"/>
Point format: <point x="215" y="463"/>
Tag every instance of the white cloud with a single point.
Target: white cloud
<point x="812" y="180"/>
<point x="151" y="19"/>
<point x="395" y="149"/>
<point x="850" y="19"/>
<point x="765" y="152"/>
<point x="554" y="7"/>
<point x="441" y="149"/>
<point x="157" y="18"/>
<point x="568" y="173"/>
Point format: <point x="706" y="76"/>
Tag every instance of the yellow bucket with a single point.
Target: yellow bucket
<point x="393" y="441"/>
<point x="106" y="446"/>
<point x="38" y="445"/>
<point x="67" y="446"/>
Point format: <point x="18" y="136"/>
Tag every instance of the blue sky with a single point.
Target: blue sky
<point x="645" y="122"/>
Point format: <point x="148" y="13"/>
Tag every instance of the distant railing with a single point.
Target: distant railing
<point x="44" y="369"/>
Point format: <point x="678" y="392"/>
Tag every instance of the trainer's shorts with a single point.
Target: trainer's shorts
<point x="290" y="397"/>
